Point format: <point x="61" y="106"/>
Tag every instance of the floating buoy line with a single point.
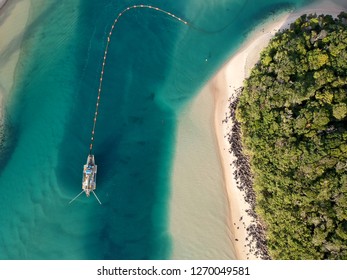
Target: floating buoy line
<point x="90" y="168"/>
<point x="105" y="58"/>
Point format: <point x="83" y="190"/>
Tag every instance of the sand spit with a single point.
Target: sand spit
<point x="13" y="20"/>
<point x="247" y="232"/>
<point x="212" y="206"/>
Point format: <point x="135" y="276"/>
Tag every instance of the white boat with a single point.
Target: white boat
<point x="89" y="178"/>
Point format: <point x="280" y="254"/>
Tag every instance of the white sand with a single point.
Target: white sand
<point x="199" y="208"/>
<point x="13" y="19"/>
<point x="230" y="78"/>
<point x="224" y="84"/>
<point x="204" y="219"/>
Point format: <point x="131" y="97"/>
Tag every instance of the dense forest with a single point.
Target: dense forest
<point x="293" y="115"/>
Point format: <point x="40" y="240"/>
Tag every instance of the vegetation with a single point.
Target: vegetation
<point x="293" y="117"/>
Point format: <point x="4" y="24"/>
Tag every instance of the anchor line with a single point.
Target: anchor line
<point x="105" y="57"/>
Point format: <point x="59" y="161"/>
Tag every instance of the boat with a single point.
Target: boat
<point x="89" y="178"/>
<point x="89" y="175"/>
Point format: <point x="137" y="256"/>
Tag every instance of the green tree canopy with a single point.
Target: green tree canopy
<point x="293" y="117"/>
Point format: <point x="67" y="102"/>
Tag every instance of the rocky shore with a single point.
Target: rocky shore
<point x="244" y="181"/>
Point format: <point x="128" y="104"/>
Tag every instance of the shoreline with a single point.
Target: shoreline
<point x="209" y="217"/>
<point x="198" y="196"/>
<point x="14" y="17"/>
<point x="246" y="230"/>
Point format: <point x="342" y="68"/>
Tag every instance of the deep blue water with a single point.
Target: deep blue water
<point x="155" y="66"/>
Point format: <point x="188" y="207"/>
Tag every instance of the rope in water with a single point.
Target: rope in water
<point x="105" y="57"/>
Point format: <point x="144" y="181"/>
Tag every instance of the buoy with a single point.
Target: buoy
<point x="106" y="51"/>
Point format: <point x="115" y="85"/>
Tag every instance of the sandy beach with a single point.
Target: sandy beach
<point x="13" y="19"/>
<point x="224" y="85"/>
<point x="193" y="198"/>
<point x="208" y="213"/>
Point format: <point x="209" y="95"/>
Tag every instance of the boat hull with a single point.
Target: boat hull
<point x="89" y="175"/>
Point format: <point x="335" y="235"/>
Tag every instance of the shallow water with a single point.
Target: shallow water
<point x="155" y="66"/>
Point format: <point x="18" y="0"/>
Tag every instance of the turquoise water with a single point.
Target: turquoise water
<point x="155" y="66"/>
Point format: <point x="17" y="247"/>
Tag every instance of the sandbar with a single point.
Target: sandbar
<point x="13" y="20"/>
<point x="208" y="218"/>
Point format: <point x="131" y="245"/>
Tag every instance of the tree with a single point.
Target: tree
<point x="292" y="111"/>
<point x="340" y="111"/>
